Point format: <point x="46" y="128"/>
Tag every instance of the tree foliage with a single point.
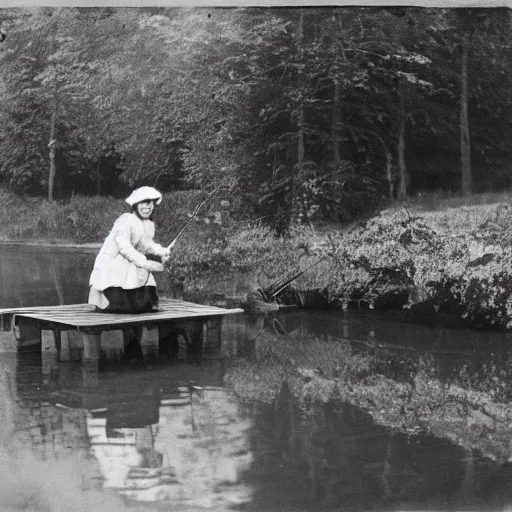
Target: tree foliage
<point x="298" y="114"/>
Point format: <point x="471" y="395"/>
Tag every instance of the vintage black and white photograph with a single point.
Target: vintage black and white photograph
<point x="255" y="258"/>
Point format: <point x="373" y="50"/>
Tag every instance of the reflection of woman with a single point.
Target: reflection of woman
<point x="121" y="280"/>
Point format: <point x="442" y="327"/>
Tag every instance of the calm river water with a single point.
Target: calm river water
<point x="135" y="437"/>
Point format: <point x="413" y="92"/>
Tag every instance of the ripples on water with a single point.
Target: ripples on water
<point x="176" y="436"/>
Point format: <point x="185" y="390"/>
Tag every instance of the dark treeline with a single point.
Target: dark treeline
<point x="300" y="113"/>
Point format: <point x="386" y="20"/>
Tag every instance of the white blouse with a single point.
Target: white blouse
<point x="122" y="261"/>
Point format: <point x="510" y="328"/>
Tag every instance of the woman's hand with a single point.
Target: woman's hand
<point x="154" y="266"/>
<point x="167" y="254"/>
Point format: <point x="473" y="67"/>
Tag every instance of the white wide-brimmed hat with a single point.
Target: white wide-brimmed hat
<point x="143" y="194"/>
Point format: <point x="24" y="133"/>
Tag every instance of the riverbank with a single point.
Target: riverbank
<point x="436" y="258"/>
<point x="450" y="266"/>
<point x="456" y="261"/>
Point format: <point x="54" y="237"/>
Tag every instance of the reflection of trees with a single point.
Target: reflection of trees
<point x="43" y="447"/>
<point x="336" y="457"/>
<point x="155" y="441"/>
<point x="49" y="428"/>
<point x="448" y="389"/>
<point x="34" y="277"/>
<point x="152" y="439"/>
<point x="57" y="281"/>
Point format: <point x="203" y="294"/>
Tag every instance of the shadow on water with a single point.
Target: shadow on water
<point x="341" y="412"/>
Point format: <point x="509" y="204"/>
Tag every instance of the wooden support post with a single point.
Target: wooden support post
<point x="27" y="332"/>
<point x="213" y="336"/>
<point x="204" y="336"/>
<point x="48" y="341"/>
<point x="196" y="330"/>
<point x="92" y="346"/>
<point x="49" y="366"/>
<point x="149" y="342"/>
<point x="65" y="351"/>
<point x="76" y="345"/>
<point x="49" y="355"/>
<point x="6" y="320"/>
<point x="190" y="339"/>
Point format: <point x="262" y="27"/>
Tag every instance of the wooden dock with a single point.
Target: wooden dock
<point x="80" y="326"/>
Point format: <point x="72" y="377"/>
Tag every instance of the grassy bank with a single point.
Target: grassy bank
<point x="81" y="219"/>
<point x="434" y="255"/>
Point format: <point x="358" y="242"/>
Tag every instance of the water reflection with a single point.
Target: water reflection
<point x="46" y="276"/>
<point x="342" y="412"/>
<point x="338" y="458"/>
<point x="170" y="433"/>
<point x="193" y="455"/>
<point x="31" y="276"/>
<point x="174" y="434"/>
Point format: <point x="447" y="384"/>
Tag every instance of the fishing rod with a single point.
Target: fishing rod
<point x="192" y="216"/>
<point x="279" y="282"/>
<point x="295" y="276"/>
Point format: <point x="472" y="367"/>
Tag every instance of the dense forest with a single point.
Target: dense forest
<point x="298" y="113"/>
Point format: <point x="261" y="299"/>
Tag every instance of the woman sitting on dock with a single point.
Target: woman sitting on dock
<point x="121" y="281"/>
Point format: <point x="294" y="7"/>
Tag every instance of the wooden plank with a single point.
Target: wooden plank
<point x="46" y="308"/>
<point x="165" y="304"/>
<point x="92" y="346"/>
<point x="169" y="305"/>
<point x="149" y="343"/>
<point x="84" y="315"/>
<point x="112" y="316"/>
<point x="103" y="320"/>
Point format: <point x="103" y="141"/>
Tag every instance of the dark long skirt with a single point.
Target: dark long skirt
<point x="137" y="300"/>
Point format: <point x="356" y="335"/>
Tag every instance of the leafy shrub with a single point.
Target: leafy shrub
<point x="460" y="259"/>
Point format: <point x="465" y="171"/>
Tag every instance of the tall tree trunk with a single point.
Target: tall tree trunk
<point x="51" y="145"/>
<point x="389" y="166"/>
<point x="98" y="178"/>
<point x="336" y="104"/>
<point x="465" y="142"/>
<point x="389" y="162"/>
<point x="335" y="123"/>
<point x="402" y="166"/>
<point x="298" y="177"/>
